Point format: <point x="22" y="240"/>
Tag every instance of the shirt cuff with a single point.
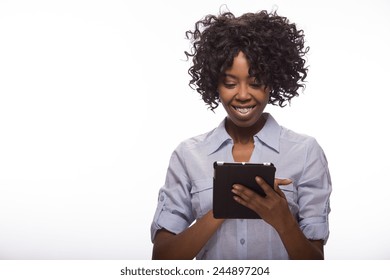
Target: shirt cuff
<point x="315" y="229"/>
<point x="170" y="222"/>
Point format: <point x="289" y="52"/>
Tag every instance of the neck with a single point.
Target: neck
<point x="244" y="135"/>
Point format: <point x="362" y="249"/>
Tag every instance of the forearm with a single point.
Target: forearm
<point x="297" y="245"/>
<point x="188" y="243"/>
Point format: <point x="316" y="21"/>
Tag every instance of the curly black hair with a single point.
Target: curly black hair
<point x="273" y="46"/>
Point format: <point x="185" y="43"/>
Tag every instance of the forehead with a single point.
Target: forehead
<point x="239" y="67"/>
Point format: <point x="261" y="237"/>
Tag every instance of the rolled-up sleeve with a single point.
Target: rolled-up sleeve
<point x="174" y="211"/>
<point x="314" y="190"/>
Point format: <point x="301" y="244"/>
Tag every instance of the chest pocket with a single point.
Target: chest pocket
<point x="201" y="196"/>
<point x="292" y="197"/>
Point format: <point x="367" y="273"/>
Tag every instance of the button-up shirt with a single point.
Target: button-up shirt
<point x="188" y="191"/>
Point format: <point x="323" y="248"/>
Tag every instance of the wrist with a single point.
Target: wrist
<point x="215" y="221"/>
<point x="288" y="225"/>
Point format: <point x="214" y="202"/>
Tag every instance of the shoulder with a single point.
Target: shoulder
<point x="192" y="155"/>
<point x="290" y="136"/>
<point x="302" y="143"/>
<point x="197" y="143"/>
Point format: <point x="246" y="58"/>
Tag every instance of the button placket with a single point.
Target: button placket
<point x="241" y="238"/>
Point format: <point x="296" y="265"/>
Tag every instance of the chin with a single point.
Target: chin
<point x="252" y="122"/>
<point x="245" y="123"/>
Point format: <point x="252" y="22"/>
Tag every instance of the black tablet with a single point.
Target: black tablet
<point x="228" y="174"/>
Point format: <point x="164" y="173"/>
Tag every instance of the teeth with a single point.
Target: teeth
<point x="243" y="110"/>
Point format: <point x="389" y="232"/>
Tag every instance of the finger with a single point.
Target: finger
<point x="263" y="184"/>
<point x="279" y="191"/>
<point x="282" y="182"/>
<point x="240" y="200"/>
<point x="251" y="202"/>
<point x="242" y="191"/>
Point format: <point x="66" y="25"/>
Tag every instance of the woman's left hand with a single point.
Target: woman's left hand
<point x="273" y="208"/>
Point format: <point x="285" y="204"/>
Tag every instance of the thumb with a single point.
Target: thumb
<point x="282" y="182"/>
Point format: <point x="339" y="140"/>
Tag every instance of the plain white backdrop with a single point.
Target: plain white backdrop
<point x="94" y="97"/>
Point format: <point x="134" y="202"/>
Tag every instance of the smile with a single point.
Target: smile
<point x="243" y="110"/>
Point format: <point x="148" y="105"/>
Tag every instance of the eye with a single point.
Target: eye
<point x="229" y="85"/>
<point x="255" y="85"/>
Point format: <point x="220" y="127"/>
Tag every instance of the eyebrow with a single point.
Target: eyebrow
<point x="225" y="75"/>
<point x="228" y="76"/>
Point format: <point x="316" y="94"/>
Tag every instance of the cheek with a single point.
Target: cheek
<point x="223" y="96"/>
<point x="267" y="94"/>
<point x="224" y="104"/>
<point x="264" y="97"/>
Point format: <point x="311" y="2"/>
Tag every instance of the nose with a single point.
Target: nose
<point x="243" y="93"/>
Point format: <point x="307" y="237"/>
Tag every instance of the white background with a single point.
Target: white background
<point x="94" y="97"/>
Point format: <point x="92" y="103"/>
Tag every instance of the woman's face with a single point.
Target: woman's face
<point x="243" y="98"/>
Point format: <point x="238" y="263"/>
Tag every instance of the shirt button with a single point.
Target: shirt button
<point x="242" y="241"/>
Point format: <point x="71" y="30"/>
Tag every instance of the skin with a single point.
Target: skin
<point x="244" y="101"/>
<point x="238" y="90"/>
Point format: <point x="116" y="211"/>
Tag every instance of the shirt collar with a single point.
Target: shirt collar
<point x="218" y="138"/>
<point x="269" y="135"/>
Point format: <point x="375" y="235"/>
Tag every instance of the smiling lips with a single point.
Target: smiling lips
<point x="243" y="110"/>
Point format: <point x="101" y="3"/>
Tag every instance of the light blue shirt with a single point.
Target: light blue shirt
<point x="188" y="190"/>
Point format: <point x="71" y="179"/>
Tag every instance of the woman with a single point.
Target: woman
<point x="245" y="63"/>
